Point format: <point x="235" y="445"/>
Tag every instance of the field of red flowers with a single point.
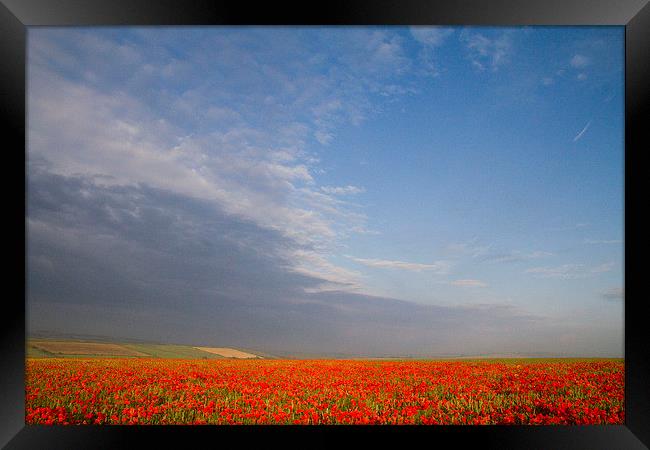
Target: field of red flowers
<point x="159" y="391"/>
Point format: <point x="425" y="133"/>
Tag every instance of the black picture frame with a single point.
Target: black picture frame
<point x="17" y="15"/>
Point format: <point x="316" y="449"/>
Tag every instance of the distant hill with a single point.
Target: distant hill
<point x="78" y="347"/>
<point x="60" y="345"/>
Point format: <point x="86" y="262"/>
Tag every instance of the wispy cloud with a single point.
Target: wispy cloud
<point x="517" y="255"/>
<point x="576" y="226"/>
<point x="469" y="283"/>
<point x="439" y="267"/>
<point x="579" y="135"/>
<point x="602" y="241"/>
<point x="431" y="35"/>
<point x="316" y="265"/>
<point x="617" y="293"/>
<point x="342" y="190"/>
<point x="487" y="252"/>
<point x="471" y="248"/>
<point x="431" y="38"/>
<point x="570" y="271"/>
<point x="323" y="137"/>
<point x="484" y="51"/>
<point x="208" y="143"/>
<point x="579" y="61"/>
<point x="605" y="267"/>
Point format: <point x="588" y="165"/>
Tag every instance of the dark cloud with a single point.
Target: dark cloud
<point x="137" y="262"/>
<point x="136" y="244"/>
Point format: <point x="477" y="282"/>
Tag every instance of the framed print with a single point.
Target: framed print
<point x="358" y="219"/>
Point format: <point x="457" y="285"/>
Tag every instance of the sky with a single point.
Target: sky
<point x="379" y="191"/>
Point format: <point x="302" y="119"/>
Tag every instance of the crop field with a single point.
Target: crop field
<point x="227" y="352"/>
<point x="172" y="351"/>
<point x="225" y="391"/>
<point x="85" y="348"/>
<point x="47" y="348"/>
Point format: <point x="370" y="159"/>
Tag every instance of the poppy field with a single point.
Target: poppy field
<point x="137" y="391"/>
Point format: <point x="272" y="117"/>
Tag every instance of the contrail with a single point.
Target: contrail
<point x="579" y="135"/>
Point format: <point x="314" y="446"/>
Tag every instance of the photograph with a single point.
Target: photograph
<point x="325" y="225"/>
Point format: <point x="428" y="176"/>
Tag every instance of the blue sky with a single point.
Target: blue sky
<point x="296" y="187"/>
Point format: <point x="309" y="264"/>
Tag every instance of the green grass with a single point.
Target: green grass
<point x="171" y="351"/>
<point x="165" y="351"/>
<point x="35" y="352"/>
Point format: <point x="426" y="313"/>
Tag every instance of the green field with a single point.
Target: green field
<point x="172" y="351"/>
<point x="33" y="352"/>
<point x="163" y="351"/>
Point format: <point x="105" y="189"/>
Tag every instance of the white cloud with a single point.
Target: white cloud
<point x="579" y="61"/>
<point x="570" y="271"/>
<point x="539" y="254"/>
<point x="486" y="51"/>
<point x="606" y="267"/>
<point x="519" y="256"/>
<point x="207" y="142"/>
<point x="439" y="267"/>
<point x="317" y="265"/>
<point x="369" y="52"/>
<point x="470" y="248"/>
<point x="563" y="271"/>
<point x="577" y="226"/>
<point x="431" y="35"/>
<point x="343" y="190"/>
<point x="221" y="114"/>
<point x="469" y="283"/>
<point x="603" y="241"/>
<point x="582" y="76"/>
<point x="364" y="230"/>
<point x="323" y="137"/>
